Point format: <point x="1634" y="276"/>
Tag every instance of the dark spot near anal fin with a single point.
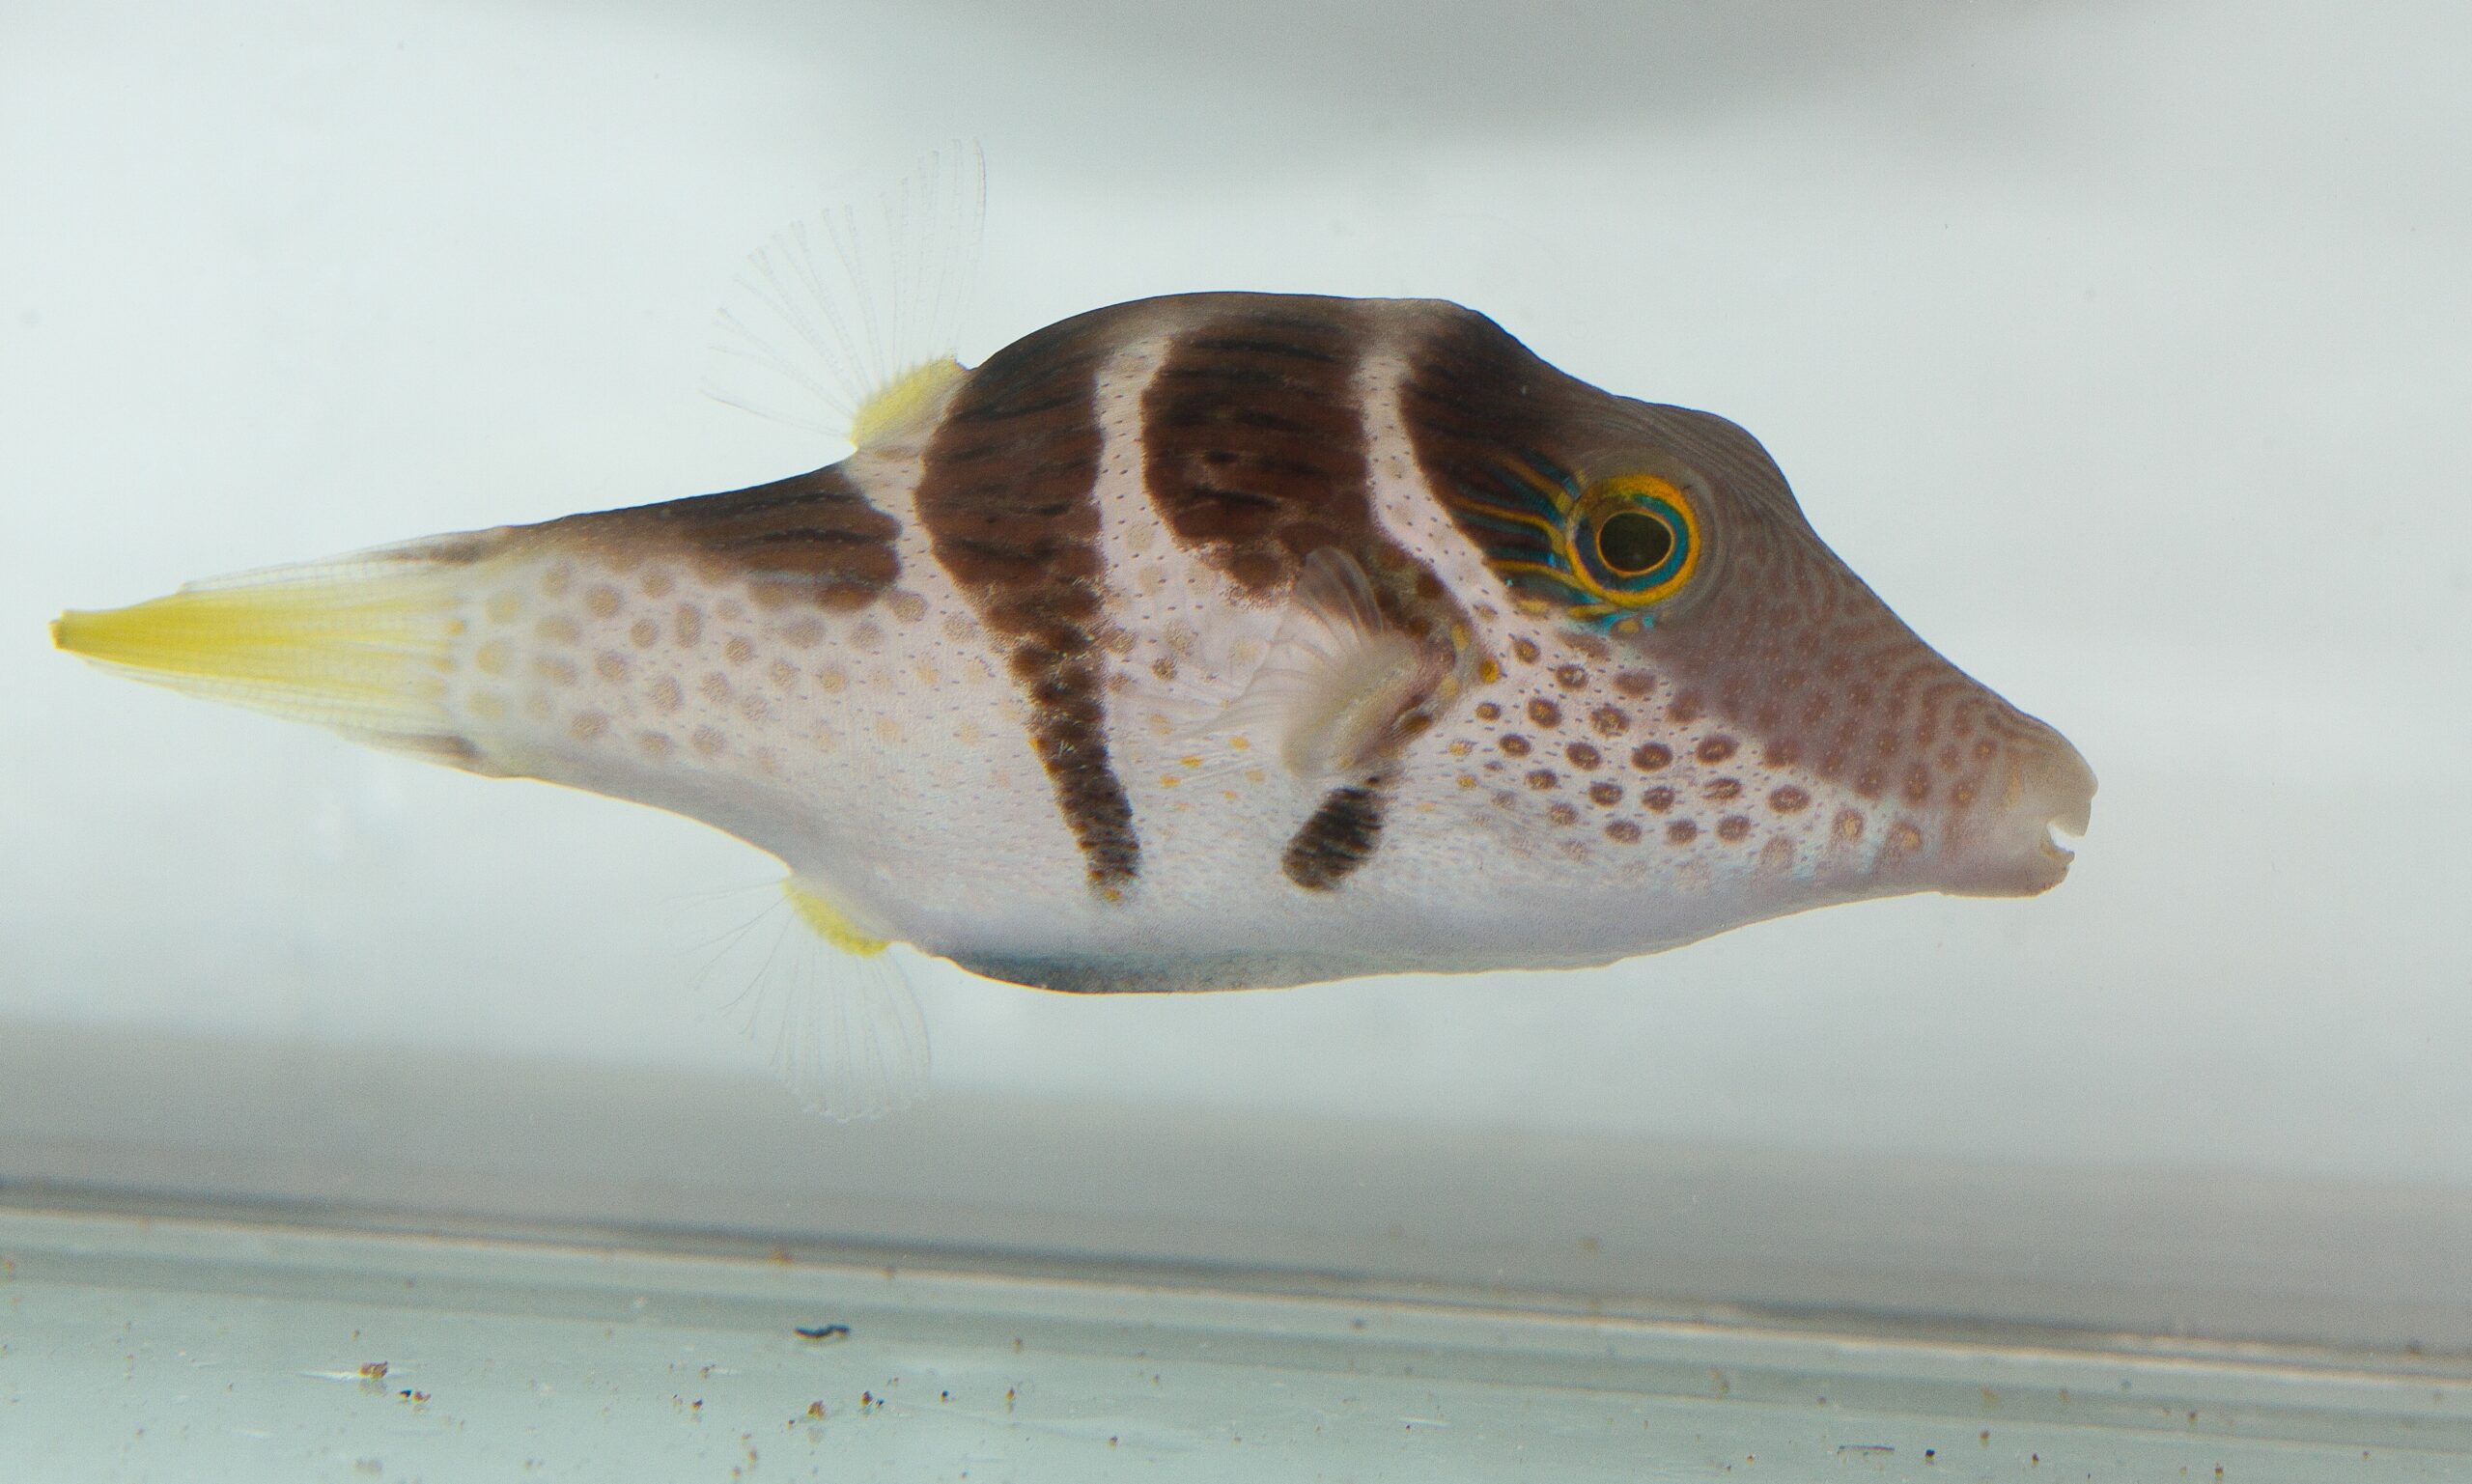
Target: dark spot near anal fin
<point x="1339" y="837"/>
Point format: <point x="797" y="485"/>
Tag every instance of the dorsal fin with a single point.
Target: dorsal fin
<point x="906" y="407"/>
<point x="846" y="324"/>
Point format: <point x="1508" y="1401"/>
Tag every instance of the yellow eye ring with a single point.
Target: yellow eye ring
<point x="1633" y="542"/>
<point x="1608" y="552"/>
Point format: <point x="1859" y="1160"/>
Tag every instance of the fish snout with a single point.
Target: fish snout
<point x="2041" y="787"/>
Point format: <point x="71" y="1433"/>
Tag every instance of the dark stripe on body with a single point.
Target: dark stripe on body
<point x="1339" y="838"/>
<point x="1253" y="444"/>
<point x="1474" y="393"/>
<point x="1255" y="451"/>
<point x="813" y="536"/>
<point x="1008" y="501"/>
<point x="1488" y="419"/>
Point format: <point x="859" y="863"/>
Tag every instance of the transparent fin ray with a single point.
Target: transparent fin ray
<point x="832" y="1011"/>
<point x="847" y="323"/>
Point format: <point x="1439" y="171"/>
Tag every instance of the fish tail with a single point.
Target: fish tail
<point x="363" y="644"/>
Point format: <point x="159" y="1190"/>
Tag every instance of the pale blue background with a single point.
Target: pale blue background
<point x="2123" y="348"/>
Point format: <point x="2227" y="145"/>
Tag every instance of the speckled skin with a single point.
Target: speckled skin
<point x="1777" y="740"/>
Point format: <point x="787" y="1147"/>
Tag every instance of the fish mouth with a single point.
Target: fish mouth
<point x="2052" y="849"/>
<point x="2053" y="794"/>
<point x="2070" y="822"/>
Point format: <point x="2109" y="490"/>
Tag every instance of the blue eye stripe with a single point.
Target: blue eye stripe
<point x="1547" y="533"/>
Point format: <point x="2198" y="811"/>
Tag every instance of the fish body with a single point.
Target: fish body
<point x="1213" y="641"/>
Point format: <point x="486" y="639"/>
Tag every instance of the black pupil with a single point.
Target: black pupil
<point x="1633" y="542"/>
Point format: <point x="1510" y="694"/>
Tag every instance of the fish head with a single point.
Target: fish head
<point x="1786" y="741"/>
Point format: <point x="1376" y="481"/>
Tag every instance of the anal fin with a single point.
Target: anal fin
<point x="831" y="1007"/>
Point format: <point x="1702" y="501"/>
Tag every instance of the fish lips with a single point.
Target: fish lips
<point x="2012" y="848"/>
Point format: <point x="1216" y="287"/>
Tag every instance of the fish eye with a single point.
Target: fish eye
<point x="1633" y="542"/>
<point x="1611" y="551"/>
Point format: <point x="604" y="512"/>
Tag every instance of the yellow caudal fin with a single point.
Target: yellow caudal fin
<point x="362" y="644"/>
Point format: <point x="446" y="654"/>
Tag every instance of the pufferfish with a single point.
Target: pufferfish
<point x="1214" y="641"/>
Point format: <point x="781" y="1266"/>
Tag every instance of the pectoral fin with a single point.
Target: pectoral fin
<point x="1339" y="689"/>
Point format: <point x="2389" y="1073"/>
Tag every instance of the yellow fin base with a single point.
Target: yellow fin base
<point x="827" y="922"/>
<point x="904" y="407"/>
